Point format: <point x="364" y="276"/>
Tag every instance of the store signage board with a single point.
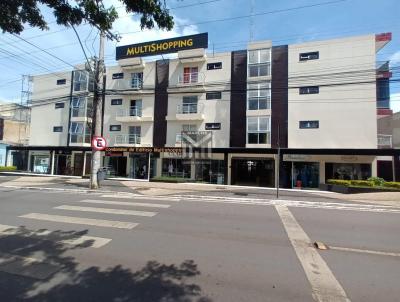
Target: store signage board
<point x="99" y="143"/>
<point x="144" y="149"/>
<point x="160" y="47"/>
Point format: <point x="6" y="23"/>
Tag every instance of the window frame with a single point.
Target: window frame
<point x="259" y="96"/>
<point x="58" y="129"/>
<point x="209" y="95"/>
<point x="62" y="82"/>
<point x="114" y="101"/>
<point x="309" y="90"/>
<point x="214" y="66"/>
<point x="59" y="105"/>
<point x="302" y="124"/>
<point x="259" y="132"/>
<point x="117" y="76"/>
<point x="308" y="56"/>
<point x="117" y="128"/>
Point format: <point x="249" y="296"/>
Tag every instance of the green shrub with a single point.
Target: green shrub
<point x="362" y="183"/>
<point x="392" y="184"/>
<point x="339" y="182"/>
<point x="377" y="181"/>
<point x="7" y="169"/>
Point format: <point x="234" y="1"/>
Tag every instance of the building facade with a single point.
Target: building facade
<point x="241" y="106"/>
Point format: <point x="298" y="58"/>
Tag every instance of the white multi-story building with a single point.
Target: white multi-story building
<point x="317" y="101"/>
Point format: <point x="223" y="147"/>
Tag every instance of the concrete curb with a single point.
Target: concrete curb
<point x="66" y="190"/>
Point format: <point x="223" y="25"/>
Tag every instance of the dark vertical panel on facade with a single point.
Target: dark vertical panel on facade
<point x="1" y="129"/>
<point x="279" y="96"/>
<point x="396" y="167"/>
<point x="328" y="171"/>
<point x="238" y="99"/>
<point x="103" y="99"/>
<point x="161" y="103"/>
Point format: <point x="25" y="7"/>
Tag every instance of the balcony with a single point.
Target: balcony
<point x="384" y="141"/>
<point x="81" y="114"/>
<point x="188" y="112"/>
<point x="190" y="82"/>
<point x="127" y="140"/>
<point x="133" y="114"/>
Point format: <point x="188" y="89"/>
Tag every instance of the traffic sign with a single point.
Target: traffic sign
<point x="99" y="143"/>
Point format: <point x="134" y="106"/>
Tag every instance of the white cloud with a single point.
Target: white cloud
<point x="395" y="101"/>
<point x="395" y="58"/>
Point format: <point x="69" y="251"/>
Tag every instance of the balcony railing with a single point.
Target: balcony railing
<point x="191" y="78"/>
<point x="80" y="138"/>
<point x="133" y="111"/>
<point x="385" y="140"/>
<point x="178" y="138"/>
<point x="127" y="139"/>
<point x="136" y="83"/>
<point x="81" y="112"/>
<point x="190" y="108"/>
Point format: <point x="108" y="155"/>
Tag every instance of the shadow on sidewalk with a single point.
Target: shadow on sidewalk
<point x="56" y="277"/>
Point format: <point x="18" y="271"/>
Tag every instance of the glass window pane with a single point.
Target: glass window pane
<point x="263" y="90"/>
<point x="253" y="56"/>
<point x="262" y="104"/>
<point x="252" y="124"/>
<point x="263" y="70"/>
<point x="252" y="90"/>
<point x="264" y="124"/>
<point x="252" y="138"/>
<point x="253" y="71"/>
<point x="253" y="104"/>
<point x="262" y="138"/>
<point x="264" y="55"/>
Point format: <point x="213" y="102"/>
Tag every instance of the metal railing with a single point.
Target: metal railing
<point x="178" y="138"/>
<point x="80" y="138"/>
<point x="127" y="139"/>
<point x="191" y="78"/>
<point x="132" y="111"/>
<point x="190" y="108"/>
<point x="136" y="83"/>
<point x="385" y="140"/>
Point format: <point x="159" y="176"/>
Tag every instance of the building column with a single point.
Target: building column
<point x="226" y="169"/>
<point x="29" y="162"/>
<point x="374" y="168"/>
<point x="322" y="172"/>
<point x="229" y="167"/>
<point x="84" y="163"/>
<point x="52" y="160"/>
<point x="8" y="161"/>
<point x="159" y="165"/>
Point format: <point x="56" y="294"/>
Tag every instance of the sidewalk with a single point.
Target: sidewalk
<point x="164" y="189"/>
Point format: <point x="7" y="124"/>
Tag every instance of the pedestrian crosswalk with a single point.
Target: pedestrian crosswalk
<point x="109" y="207"/>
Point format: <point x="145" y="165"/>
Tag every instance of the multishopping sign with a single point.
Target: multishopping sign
<point x="162" y="46"/>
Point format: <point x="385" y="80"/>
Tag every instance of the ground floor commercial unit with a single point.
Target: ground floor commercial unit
<point x="298" y="168"/>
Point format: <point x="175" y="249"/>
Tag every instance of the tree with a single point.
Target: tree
<point x="15" y="14"/>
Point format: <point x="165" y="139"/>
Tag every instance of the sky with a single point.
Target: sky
<point x="228" y="25"/>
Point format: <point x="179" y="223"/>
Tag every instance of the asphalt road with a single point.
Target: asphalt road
<point x="125" y="247"/>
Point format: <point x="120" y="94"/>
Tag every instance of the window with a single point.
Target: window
<point x="306" y="56"/>
<point x="59" y="105"/>
<point x="79" y="133"/>
<point x="136" y="108"/>
<point x="78" y="107"/>
<point x="134" y="135"/>
<point x="309" y="90"/>
<point x="80" y="80"/>
<point x="216" y="65"/>
<point x="213" y="95"/>
<point x="213" y="126"/>
<point x="115" y="127"/>
<point x="137" y="80"/>
<point x="258" y="130"/>
<point x="259" y="96"/>
<point x="115" y="102"/>
<point x="189" y="105"/>
<point x="57" y="129"/>
<point x="309" y="124"/>
<point x="259" y="62"/>
<point x="61" y="82"/>
<point x="119" y="75"/>
<point x="189" y="128"/>
<point x="190" y="75"/>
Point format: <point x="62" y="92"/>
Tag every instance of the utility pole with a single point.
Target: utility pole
<point x="279" y="162"/>
<point x="97" y="111"/>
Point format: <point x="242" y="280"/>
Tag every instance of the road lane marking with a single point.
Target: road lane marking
<point x="144" y="197"/>
<point x="347" y="249"/>
<point x="95" y="242"/>
<point x="78" y="220"/>
<point x="106" y="211"/>
<point x="325" y="287"/>
<point x="125" y="203"/>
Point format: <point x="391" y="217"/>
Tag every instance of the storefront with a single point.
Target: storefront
<point x="253" y="172"/>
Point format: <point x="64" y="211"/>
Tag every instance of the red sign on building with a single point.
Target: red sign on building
<point x="99" y="143"/>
